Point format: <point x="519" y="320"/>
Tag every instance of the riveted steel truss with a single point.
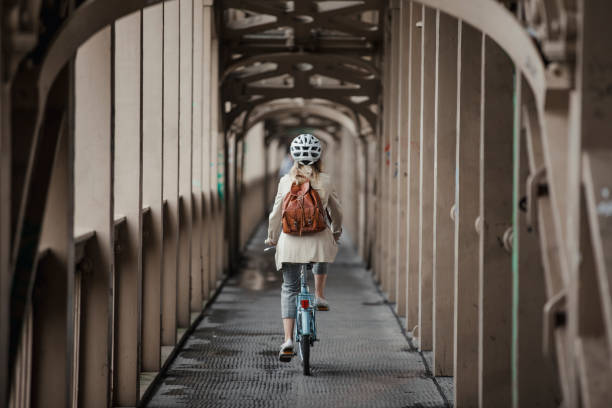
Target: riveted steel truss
<point x="325" y="51"/>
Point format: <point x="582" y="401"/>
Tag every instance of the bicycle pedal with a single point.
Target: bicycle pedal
<point x="286" y="357"/>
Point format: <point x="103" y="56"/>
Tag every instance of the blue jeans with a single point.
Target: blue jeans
<point x="291" y="286"/>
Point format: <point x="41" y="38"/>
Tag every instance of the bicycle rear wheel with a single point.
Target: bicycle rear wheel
<point x="305" y="353"/>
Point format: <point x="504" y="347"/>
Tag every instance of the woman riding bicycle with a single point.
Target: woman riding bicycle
<point x="292" y="250"/>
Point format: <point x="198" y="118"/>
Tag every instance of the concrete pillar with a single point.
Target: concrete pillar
<point x="152" y="183"/>
<point x="403" y="170"/>
<point x="426" y="179"/>
<point x="495" y="269"/>
<point x="185" y="162"/>
<point x="170" y="176"/>
<point x="196" y="155"/>
<point x="128" y="203"/>
<point x="93" y="212"/>
<point x="466" y="207"/>
<point x="444" y="195"/>
<point x="414" y="149"/>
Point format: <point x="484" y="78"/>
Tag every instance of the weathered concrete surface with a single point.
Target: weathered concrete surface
<point x="362" y="360"/>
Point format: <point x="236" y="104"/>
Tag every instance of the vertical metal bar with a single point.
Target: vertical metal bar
<point x="152" y="185"/>
<point x="94" y="208"/>
<point x="235" y="206"/>
<point x="207" y="166"/>
<point x="516" y="180"/>
<point x="128" y="203"/>
<point x="466" y="212"/>
<point x="73" y="291"/>
<point x="445" y="135"/>
<point x="385" y="162"/>
<point x="266" y="178"/>
<point x="403" y="171"/>
<point x="495" y="269"/>
<point x="220" y="175"/>
<point x="185" y="162"/>
<point x="393" y="137"/>
<point x="196" y="185"/>
<point x="426" y="173"/>
<point x="412" y="282"/>
<point x="5" y="225"/>
<point x="170" y="171"/>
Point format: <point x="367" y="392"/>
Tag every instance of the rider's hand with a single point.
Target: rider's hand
<point x="269" y="242"/>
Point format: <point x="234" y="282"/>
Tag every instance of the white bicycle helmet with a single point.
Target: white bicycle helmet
<point x="306" y="149"/>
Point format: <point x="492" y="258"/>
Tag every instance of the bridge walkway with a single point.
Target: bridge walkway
<point x="364" y="358"/>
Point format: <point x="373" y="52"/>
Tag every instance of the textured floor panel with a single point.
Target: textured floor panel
<point x="362" y="360"/>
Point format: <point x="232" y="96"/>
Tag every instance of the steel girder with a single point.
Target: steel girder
<point x="304" y="113"/>
<point x="300" y="23"/>
<point x="325" y="50"/>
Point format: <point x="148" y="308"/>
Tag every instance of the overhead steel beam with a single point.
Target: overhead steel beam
<point x="304" y="17"/>
<point x="281" y="50"/>
<point x="330" y="112"/>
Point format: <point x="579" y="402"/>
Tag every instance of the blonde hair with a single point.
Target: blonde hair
<point x="300" y="173"/>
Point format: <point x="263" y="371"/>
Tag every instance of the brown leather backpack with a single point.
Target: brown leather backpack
<point x="302" y="211"/>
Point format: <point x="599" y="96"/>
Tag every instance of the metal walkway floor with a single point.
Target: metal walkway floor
<point x="362" y="360"/>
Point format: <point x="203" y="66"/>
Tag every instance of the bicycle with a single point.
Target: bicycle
<point x="305" y="328"/>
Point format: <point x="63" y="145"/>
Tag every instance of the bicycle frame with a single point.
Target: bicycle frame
<point x="305" y="328"/>
<point x="305" y="321"/>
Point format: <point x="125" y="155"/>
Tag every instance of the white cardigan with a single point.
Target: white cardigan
<point x="317" y="247"/>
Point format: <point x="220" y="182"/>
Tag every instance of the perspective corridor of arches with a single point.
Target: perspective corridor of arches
<point x="141" y="142"/>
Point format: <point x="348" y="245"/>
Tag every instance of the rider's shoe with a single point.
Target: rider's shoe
<point x="286" y="351"/>
<point x="322" y="304"/>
